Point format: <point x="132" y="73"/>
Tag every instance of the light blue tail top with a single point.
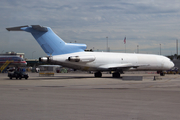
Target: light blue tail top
<point x="49" y="41"/>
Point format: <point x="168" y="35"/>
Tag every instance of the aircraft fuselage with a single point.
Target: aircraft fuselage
<point x="105" y="61"/>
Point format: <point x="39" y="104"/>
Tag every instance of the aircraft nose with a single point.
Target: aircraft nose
<point x="168" y="64"/>
<point x="171" y="65"/>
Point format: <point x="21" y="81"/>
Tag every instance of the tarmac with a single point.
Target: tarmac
<point x="80" y="96"/>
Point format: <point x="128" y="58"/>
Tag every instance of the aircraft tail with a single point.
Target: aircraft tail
<point x="49" y="41"/>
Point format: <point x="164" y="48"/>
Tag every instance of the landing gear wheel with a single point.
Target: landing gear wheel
<point x="98" y="74"/>
<point x="116" y="75"/>
<point x="162" y="74"/>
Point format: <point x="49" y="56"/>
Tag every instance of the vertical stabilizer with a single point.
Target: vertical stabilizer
<point x="49" y="41"/>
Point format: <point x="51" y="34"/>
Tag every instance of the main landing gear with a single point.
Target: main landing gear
<point x="98" y="74"/>
<point x="161" y="73"/>
<point x="114" y="75"/>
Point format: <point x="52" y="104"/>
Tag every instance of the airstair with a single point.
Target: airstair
<point x="5" y="65"/>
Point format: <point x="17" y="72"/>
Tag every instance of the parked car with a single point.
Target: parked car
<point x="17" y="74"/>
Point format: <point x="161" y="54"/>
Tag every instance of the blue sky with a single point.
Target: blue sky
<point x="147" y="23"/>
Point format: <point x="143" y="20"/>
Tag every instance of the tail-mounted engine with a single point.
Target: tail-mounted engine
<point x="81" y="58"/>
<point x="44" y="59"/>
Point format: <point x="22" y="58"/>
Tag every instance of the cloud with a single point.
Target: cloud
<point x="143" y="22"/>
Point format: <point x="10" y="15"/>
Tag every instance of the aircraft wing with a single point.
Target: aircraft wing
<point x="121" y="66"/>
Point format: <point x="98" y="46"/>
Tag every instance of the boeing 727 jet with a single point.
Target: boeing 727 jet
<point x="74" y="56"/>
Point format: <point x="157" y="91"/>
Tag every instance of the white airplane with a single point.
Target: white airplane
<point x="73" y="55"/>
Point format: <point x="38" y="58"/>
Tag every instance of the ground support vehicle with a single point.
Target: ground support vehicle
<point x="17" y="74"/>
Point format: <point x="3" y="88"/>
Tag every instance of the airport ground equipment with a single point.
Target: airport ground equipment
<point x="18" y="74"/>
<point x="174" y="70"/>
<point x="5" y="65"/>
<point x="46" y="73"/>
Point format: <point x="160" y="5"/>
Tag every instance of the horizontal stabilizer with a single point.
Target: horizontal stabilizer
<point x="16" y="28"/>
<point x="35" y="27"/>
<point x="39" y="28"/>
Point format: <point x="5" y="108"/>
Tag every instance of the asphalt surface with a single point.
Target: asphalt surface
<point x="83" y="97"/>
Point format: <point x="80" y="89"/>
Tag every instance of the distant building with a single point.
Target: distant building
<point x="176" y="63"/>
<point x="22" y="55"/>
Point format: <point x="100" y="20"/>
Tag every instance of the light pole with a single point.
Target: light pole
<point x="160" y="49"/>
<point x="107" y="44"/>
<point x="177" y="47"/>
<point x="32" y="53"/>
<point x="137" y="48"/>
